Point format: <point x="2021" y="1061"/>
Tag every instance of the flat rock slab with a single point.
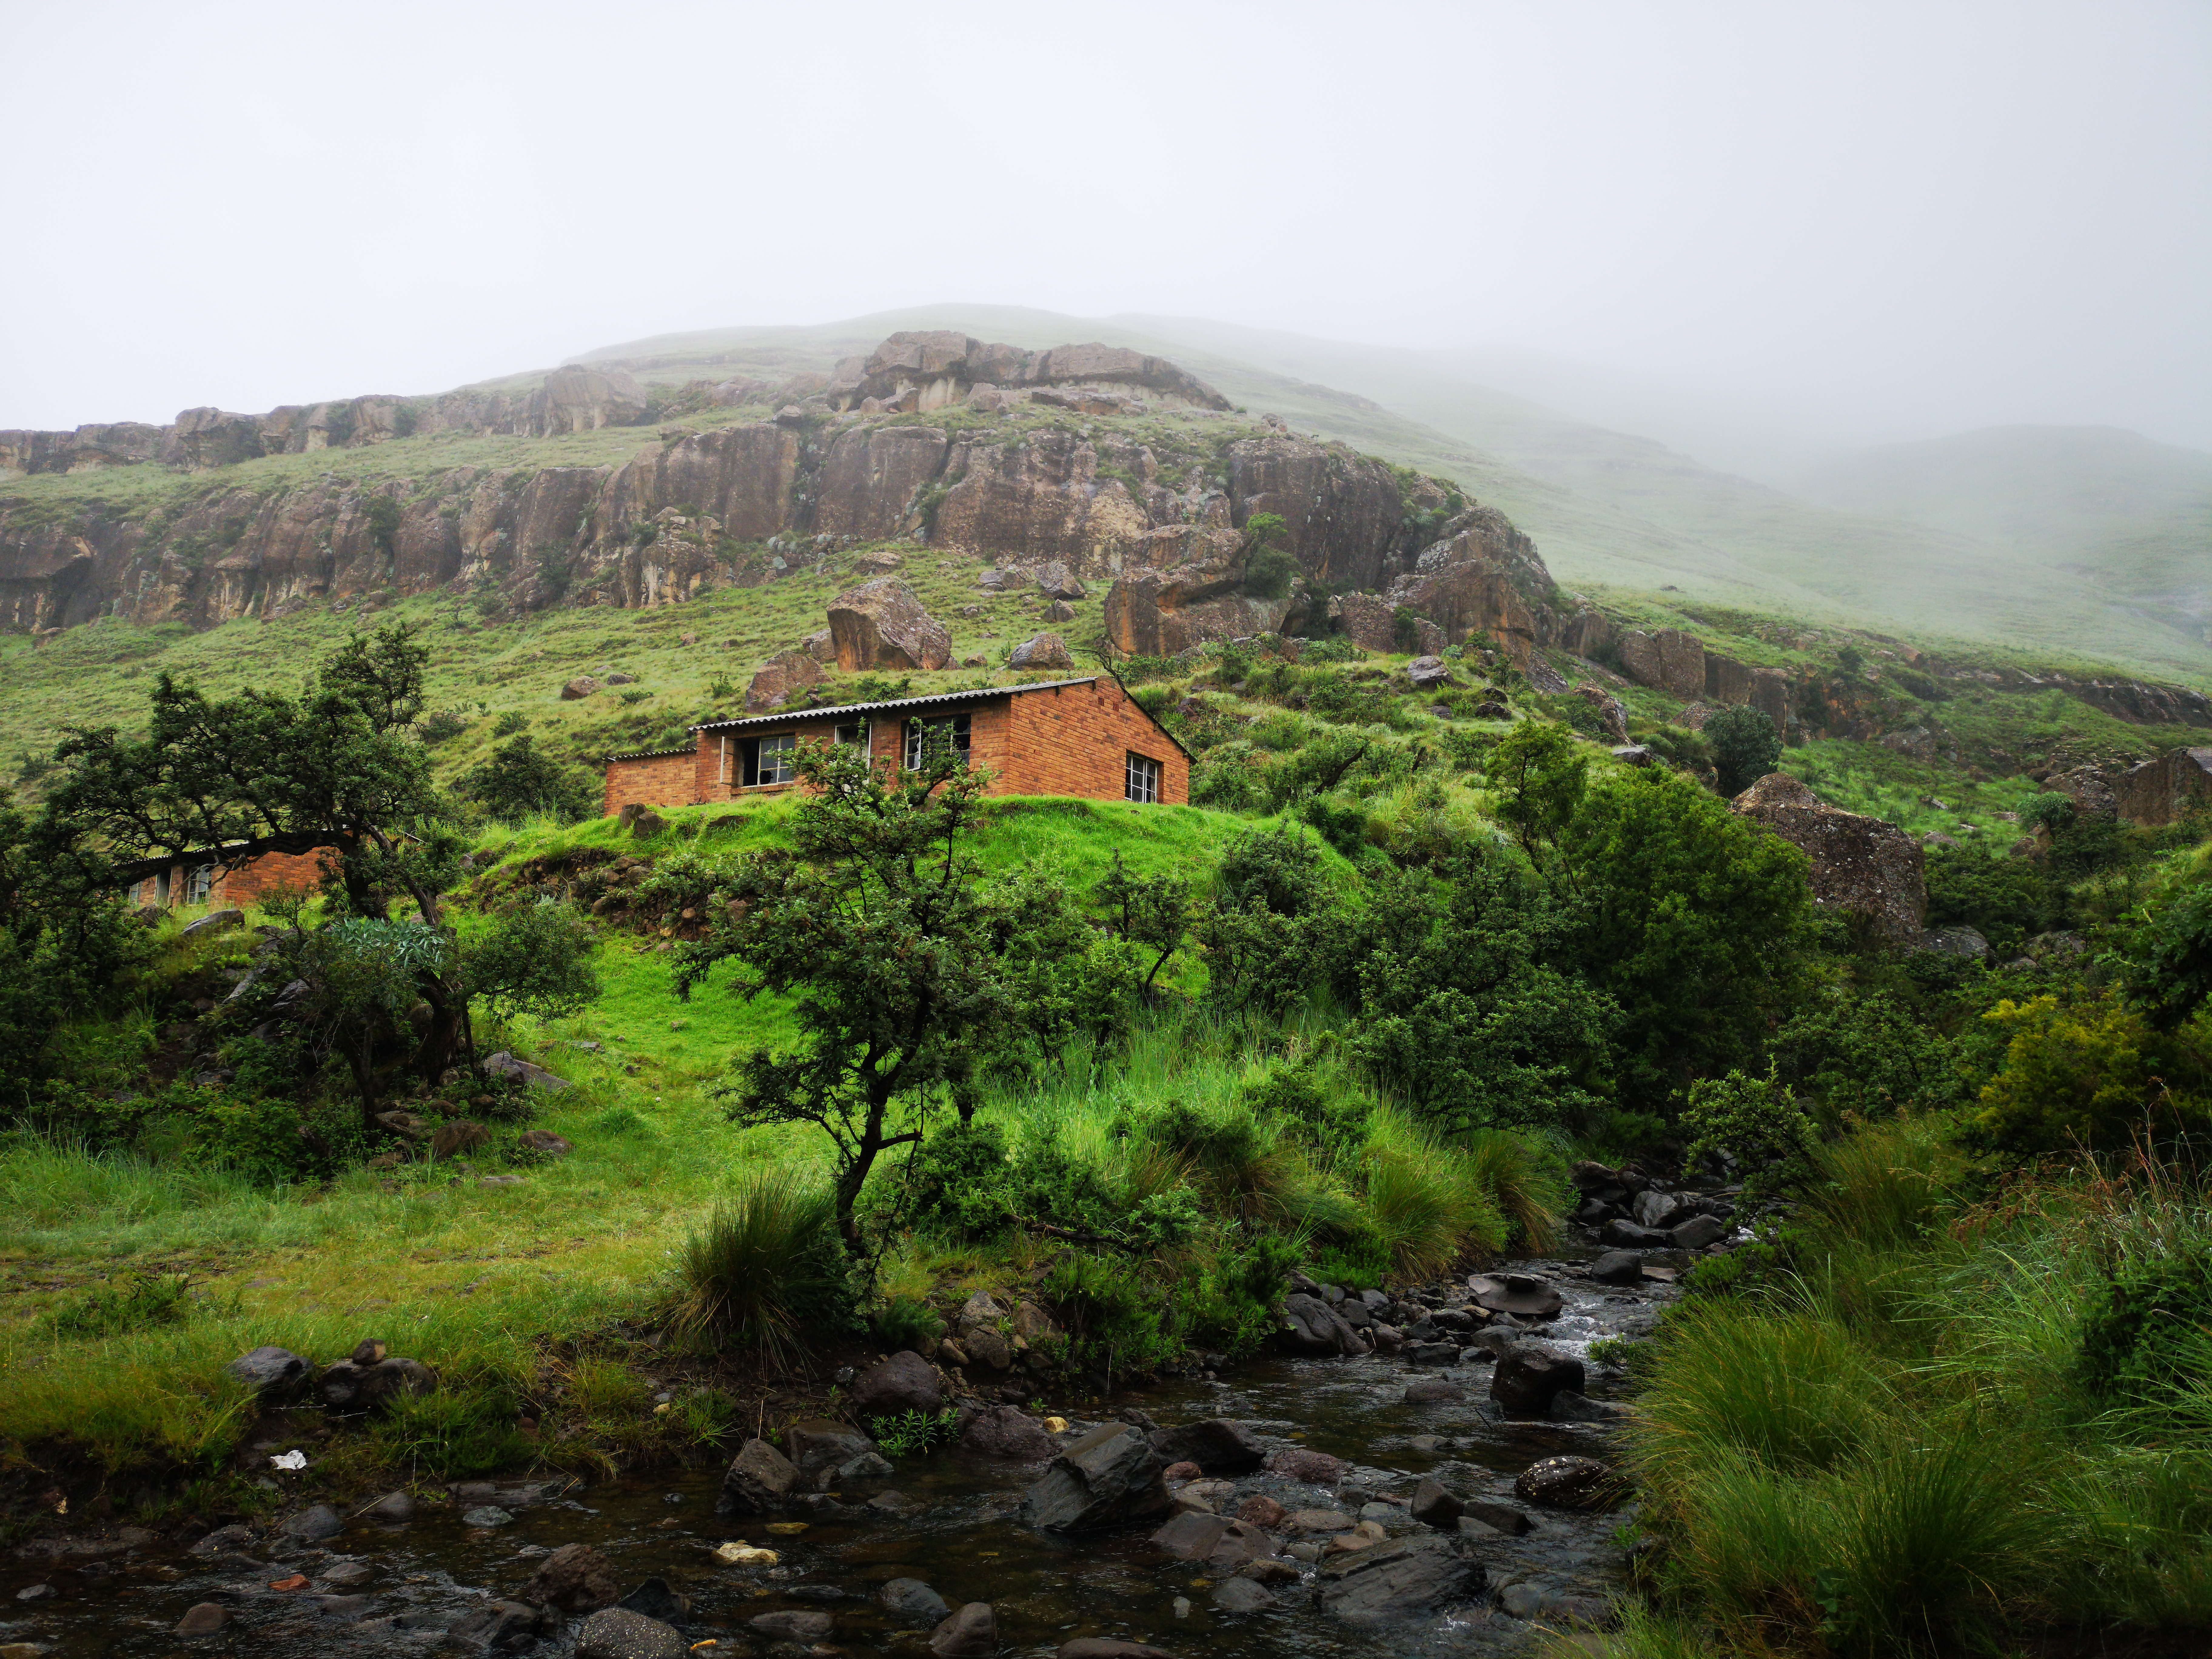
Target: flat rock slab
<point x="1398" y="1580"/>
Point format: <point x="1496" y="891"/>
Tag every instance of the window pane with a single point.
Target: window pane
<point x="775" y="757"/>
<point x="1143" y="779"/>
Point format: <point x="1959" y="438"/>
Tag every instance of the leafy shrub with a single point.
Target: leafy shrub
<point x="1337" y="647"/>
<point x="1757" y="1120"/>
<point x="1746" y="745"/>
<point x="1334" y="1120"/>
<point x="511" y="722"/>
<point x="2152" y="1331"/>
<point x="516" y="780"/>
<point x="767" y="1270"/>
<point x="1231" y="777"/>
<point x="913" y="1431"/>
<point x="1116" y="1322"/>
<point x="1868" y="1055"/>
<point x="960" y="1182"/>
<point x="2095" y="1075"/>
<point x="2166" y="969"/>
<point x="441" y="724"/>
<point x="2004" y="900"/>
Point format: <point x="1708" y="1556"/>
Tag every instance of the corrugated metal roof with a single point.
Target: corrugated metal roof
<point x="826" y="711"/>
<point x="653" y="754"/>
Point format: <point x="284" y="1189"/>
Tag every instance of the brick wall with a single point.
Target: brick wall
<point x="1077" y="741"/>
<point x="650" y="781"/>
<point x="246" y="884"/>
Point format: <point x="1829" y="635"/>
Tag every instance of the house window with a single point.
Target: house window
<point x="925" y="740"/>
<point x="1143" y="779"/>
<point x="199" y="885"/>
<point x="766" y="759"/>
<point x="853" y="735"/>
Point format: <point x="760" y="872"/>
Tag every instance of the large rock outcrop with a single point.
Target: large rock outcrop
<point x="1483" y="579"/>
<point x="1859" y="864"/>
<point x="1158" y="613"/>
<point x="935" y="369"/>
<point x="2162" y="790"/>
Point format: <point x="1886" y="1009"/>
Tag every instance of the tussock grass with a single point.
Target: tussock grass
<point x="764" y="1265"/>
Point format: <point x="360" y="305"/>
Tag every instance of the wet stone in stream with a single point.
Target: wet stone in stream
<point x="1343" y="1453"/>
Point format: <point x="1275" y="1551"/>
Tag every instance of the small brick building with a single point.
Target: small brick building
<point x="1083" y="738"/>
<point x="202" y="881"/>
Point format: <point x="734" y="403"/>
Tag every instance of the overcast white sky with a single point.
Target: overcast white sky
<point x="1916" y="217"/>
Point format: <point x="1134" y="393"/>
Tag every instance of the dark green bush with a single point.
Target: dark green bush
<point x="2003" y="899"/>
<point x="904" y="1323"/>
<point x="2151" y="1332"/>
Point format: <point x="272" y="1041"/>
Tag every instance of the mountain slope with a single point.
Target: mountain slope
<point x="1604" y="506"/>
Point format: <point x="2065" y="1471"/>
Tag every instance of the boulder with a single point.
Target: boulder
<point x="904" y="1383"/>
<point x="1007" y="1431"/>
<point x="1190" y="1536"/>
<point x="1656" y="1210"/>
<point x="1566" y="1483"/>
<point x="1311" y="1326"/>
<point x="1859" y="864"/>
<point x="459" y="1136"/>
<point x="1498" y="1517"/>
<point x="1698" y="1232"/>
<point x="1303" y="1463"/>
<point x="618" y="1633"/>
<point x="1632" y="754"/>
<point x="352" y="1385"/>
<point x="313" y="1526"/>
<point x="271" y="1371"/>
<point x="913" y="1601"/>
<point x="968" y="1633"/>
<point x="1617" y="1267"/>
<point x="1261" y="1510"/>
<point x="986" y="1346"/>
<point x="202" y="1618"/>
<point x="1242" y="1595"/>
<point x="1041" y="651"/>
<point x="1670" y="660"/>
<point x="1484" y="577"/>
<point x="1057" y="581"/>
<point x="1627" y="1235"/>
<point x="792" y="1625"/>
<point x="1963" y="942"/>
<point x="1109" y="1477"/>
<point x="815" y="1446"/>
<point x="1160" y="612"/>
<point x="544" y="1143"/>
<point x="1059" y="611"/>
<point x="582" y="686"/>
<point x="1569" y="1407"/>
<point x="759" y="1481"/>
<point x="214" y="922"/>
<point x="1528" y="1374"/>
<point x="1431" y="1390"/>
<point x="1398" y="1580"/>
<point x="1429" y="672"/>
<point x="393" y="1509"/>
<point x="576" y="1578"/>
<point x="883" y="624"/>
<point x="1217" y="1445"/>
<point x="1525" y="1295"/>
<point x="771" y="687"/>
<point x="504" y="1064"/>
<point x="1612" y="714"/>
<point x="1432" y="1505"/>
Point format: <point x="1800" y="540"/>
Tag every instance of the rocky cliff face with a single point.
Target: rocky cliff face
<point x="692" y="510"/>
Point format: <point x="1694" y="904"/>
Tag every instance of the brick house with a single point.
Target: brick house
<point x="196" y="882"/>
<point x="1083" y="738"/>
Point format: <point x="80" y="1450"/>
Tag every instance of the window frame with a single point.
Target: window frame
<point x="961" y="728"/>
<point x="1154" y="776"/>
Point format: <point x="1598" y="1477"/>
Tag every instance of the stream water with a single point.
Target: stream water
<point x="412" y="1588"/>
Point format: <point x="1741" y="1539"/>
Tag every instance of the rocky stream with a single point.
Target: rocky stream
<point x="1434" y="1482"/>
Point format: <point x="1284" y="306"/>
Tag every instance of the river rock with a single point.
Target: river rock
<point x="1566" y="1483"/>
<point x="1433" y="1353"/>
<point x="350" y="1385"/>
<point x="1240" y="1543"/>
<point x="792" y="1625"/>
<point x="1698" y="1232"/>
<point x="576" y="1578"/>
<point x="314" y="1525"/>
<point x="970" y="1631"/>
<point x="498" y="1626"/>
<point x="1263" y="1511"/>
<point x="912" y="1599"/>
<point x="1311" y="1326"/>
<point x="1627" y="1235"/>
<point x="1525" y="1295"/>
<point x="1303" y="1463"/>
<point x="1617" y="1267"/>
<point x="1109" y="1477"/>
<point x="1190" y="1536"/>
<point x="618" y="1633"/>
<point x="1569" y="1407"/>
<point x="1431" y="1390"/>
<point x="1106" y="1647"/>
<point x="1528" y="1374"/>
<point x="1397" y="1580"/>
<point x="271" y="1371"/>
<point x="1499" y="1517"/>
<point x="1217" y="1445"/>
<point x="1242" y="1596"/>
<point x="904" y="1383"/>
<point x="988" y="1347"/>
<point x="816" y="1447"/>
<point x="204" y="1619"/>
<point x="656" y="1601"/>
<point x="1007" y="1431"/>
<point x="1656" y="1210"/>
<point x="759" y="1481"/>
<point x="1432" y="1505"/>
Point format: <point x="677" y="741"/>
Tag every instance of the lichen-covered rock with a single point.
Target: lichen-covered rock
<point x="1566" y="1483"/>
<point x="1612" y="713"/>
<point x="618" y="1633"/>
<point x="883" y="624"/>
<point x="1859" y="864"/>
<point x="1042" y="651"/>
